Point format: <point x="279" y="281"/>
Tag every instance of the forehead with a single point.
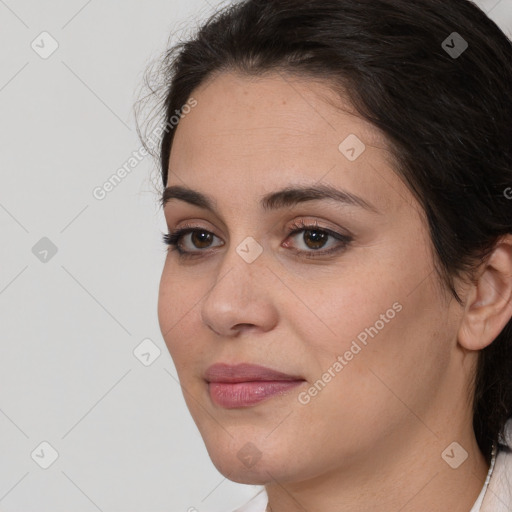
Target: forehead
<point x="265" y="132"/>
<point x="274" y="104"/>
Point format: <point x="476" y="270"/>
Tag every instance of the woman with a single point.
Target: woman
<point x="337" y="295"/>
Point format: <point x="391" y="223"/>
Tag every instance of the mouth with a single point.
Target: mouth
<point x="245" y="385"/>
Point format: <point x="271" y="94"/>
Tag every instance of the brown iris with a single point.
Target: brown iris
<point x="202" y="237"/>
<point x="318" y="238"/>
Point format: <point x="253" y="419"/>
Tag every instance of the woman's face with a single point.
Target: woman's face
<point x="360" y="322"/>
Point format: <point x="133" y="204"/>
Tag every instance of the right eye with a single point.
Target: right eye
<point x="201" y="238"/>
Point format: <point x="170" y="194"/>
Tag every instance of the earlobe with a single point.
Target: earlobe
<point x="489" y="299"/>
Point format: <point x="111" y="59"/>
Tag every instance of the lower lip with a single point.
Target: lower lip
<point x="246" y="394"/>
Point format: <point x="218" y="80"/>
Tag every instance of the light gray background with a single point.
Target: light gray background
<point x="69" y="324"/>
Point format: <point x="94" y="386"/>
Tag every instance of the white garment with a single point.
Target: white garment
<point x="495" y="496"/>
<point x="256" y="504"/>
<point x="498" y="496"/>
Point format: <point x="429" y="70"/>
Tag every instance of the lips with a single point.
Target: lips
<point x="221" y="372"/>
<point x="245" y="385"/>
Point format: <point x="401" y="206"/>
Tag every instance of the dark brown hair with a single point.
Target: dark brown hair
<point x="447" y="118"/>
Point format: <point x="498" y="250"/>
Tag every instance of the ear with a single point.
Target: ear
<point x="489" y="299"/>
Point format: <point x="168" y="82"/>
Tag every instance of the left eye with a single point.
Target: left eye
<point x="314" y="238"/>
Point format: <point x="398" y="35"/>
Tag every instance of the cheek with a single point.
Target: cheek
<point x="178" y="310"/>
<point x="394" y="349"/>
<point x="347" y="309"/>
<point x="373" y="291"/>
<point x="387" y="322"/>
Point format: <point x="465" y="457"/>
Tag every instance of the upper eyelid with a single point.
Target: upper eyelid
<point x="307" y="224"/>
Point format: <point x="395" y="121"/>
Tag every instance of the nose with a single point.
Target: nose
<point x="240" y="298"/>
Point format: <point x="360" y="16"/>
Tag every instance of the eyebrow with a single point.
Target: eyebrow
<point x="286" y="197"/>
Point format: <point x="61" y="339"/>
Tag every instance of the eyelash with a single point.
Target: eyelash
<point x="173" y="238"/>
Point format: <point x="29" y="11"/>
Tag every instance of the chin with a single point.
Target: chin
<point x="246" y="462"/>
<point x="248" y="476"/>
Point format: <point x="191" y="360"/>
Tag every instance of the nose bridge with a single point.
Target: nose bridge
<point x="245" y="251"/>
<point x="238" y="295"/>
<point x="243" y="263"/>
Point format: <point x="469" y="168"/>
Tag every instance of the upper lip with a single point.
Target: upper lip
<point x="244" y="372"/>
